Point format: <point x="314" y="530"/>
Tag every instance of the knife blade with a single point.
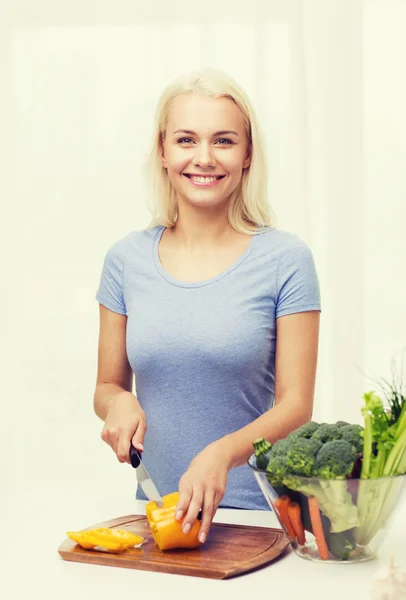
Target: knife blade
<point x="143" y="477"/>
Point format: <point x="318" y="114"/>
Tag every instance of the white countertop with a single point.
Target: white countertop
<point x="34" y="569"/>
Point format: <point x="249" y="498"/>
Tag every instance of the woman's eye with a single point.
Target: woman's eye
<point x="220" y="141"/>
<point x="224" y="141"/>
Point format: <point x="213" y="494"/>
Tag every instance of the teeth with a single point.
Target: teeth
<point x="204" y="179"/>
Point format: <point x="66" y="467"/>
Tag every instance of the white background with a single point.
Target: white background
<point x="79" y="84"/>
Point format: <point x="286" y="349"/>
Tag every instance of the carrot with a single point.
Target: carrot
<point x="317" y="527"/>
<point x="295" y="517"/>
<point x="282" y="505"/>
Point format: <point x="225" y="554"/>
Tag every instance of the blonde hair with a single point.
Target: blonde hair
<point x="248" y="207"/>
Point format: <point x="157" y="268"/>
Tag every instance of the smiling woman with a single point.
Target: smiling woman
<point x="204" y="167"/>
<point x="209" y="117"/>
<point x="213" y="309"/>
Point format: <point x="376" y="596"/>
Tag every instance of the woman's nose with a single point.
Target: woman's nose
<point x="204" y="156"/>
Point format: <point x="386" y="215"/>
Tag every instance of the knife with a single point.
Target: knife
<point x="143" y="477"/>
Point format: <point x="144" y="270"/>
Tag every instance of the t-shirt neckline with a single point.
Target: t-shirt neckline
<point x="204" y="282"/>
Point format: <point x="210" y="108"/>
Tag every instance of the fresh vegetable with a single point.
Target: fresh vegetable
<point x="166" y="530"/>
<point x="384" y="456"/>
<point x="305" y="431"/>
<point x="277" y="457"/>
<point x="384" y="452"/>
<point x="301" y="456"/>
<point x="341" y="424"/>
<point x="354" y="435"/>
<point x="261" y="449"/>
<point x="350" y="470"/>
<point x="334" y="460"/>
<point x="318" y="532"/>
<point x="341" y="545"/>
<point x="282" y="506"/>
<point x="327" y="432"/>
<point x="307" y="465"/>
<point x="115" y="540"/>
<point x="295" y="517"/>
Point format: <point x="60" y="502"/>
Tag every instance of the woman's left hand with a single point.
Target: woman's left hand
<point x="202" y="487"/>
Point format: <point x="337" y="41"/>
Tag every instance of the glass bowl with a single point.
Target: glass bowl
<point x="350" y="517"/>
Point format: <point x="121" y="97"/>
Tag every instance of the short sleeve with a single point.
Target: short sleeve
<point x="297" y="281"/>
<point x="111" y="287"/>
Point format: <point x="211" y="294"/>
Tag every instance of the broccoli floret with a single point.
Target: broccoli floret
<point x="327" y="432"/>
<point x="331" y="461"/>
<point x="296" y="462"/>
<point x="304" y="431"/>
<point x="335" y="460"/>
<point x="262" y="449"/>
<point x="276" y="468"/>
<point x="301" y="455"/>
<point x="342" y="424"/>
<point x="353" y="435"/>
<point x="280" y="447"/>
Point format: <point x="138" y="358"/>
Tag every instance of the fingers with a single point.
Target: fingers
<point x="208" y="512"/>
<point x="211" y="502"/>
<point x="138" y="437"/>
<point x="125" y="422"/>
<point x="192" y="511"/>
<point x="119" y="440"/>
<point x="123" y="448"/>
<point x="185" y="497"/>
<point x="191" y="501"/>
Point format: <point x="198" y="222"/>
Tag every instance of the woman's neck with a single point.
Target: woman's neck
<point x="196" y="227"/>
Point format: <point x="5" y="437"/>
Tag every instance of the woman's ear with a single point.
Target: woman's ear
<point x="247" y="160"/>
<point x="164" y="161"/>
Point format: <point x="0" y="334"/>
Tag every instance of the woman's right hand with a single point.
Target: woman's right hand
<point x="125" y="423"/>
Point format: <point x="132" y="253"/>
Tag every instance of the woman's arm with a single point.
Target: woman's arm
<point x="114" y="401"/>
<point x="204" y="483"/>
<point x="295" y="374"/>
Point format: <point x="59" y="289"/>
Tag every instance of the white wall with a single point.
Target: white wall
<point x="385" y="183"/>
<point x="77" y="108"/>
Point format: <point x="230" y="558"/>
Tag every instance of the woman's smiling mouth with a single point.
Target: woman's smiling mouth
<point x="204" y="180"/>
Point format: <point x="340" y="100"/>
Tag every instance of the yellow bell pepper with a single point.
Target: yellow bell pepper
<point x="115" y="540"/>
<point x="166" y="530"/>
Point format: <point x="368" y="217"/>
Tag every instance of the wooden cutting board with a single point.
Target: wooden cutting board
<point x="230" y="550"/>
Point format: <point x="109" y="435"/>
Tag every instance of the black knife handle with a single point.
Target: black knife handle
<point x="135" y="456"/>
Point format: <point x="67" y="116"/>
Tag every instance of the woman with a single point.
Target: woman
<point x="213" y="309"/>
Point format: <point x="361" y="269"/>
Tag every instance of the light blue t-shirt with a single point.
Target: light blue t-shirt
<point x="203" y="353"/>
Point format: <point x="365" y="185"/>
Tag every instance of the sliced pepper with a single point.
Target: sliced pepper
<point x="166" y="530"/>
<point x="115" y="540"/>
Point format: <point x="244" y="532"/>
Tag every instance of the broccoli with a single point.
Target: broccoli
<point x="301" y="454"/>
<point x="305" y="431"/>
<point x="296" y="462"/>
<point x="262" y="448"/>
<point x="280" y="447"/>
<point x="315" y="460"/>
<point x="276" y="469"/>
<point x="353" y="435"/>
<point x="335" y="460"/>
<point x="327" y="432"/>
<point x="341" y="424"/>
<point x="330" y="464"/>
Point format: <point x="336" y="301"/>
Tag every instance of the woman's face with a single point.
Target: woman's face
<point x="205" y="149"/>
